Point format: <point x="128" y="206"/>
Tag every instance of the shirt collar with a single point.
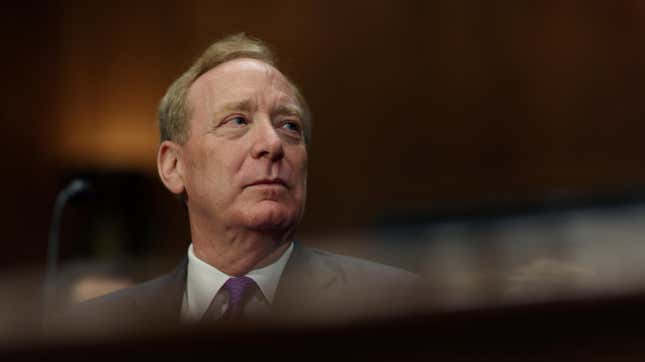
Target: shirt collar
<point x="268" y="277"/>
<point x="203" y="280"/>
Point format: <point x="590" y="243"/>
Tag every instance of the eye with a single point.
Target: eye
<point x="237" y="121"/>
<point x="291" y="126"/>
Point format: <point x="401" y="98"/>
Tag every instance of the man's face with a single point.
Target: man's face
<point x="245" y="159"/>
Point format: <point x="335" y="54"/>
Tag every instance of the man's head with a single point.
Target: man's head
<point x="174" y="110"/>
<point x="234" y="132"/>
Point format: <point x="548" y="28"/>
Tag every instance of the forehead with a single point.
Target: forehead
<point x="238" y="80"/>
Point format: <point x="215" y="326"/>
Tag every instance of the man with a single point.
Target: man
<point x="234" y="138"/>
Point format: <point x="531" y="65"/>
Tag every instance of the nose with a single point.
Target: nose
<point x="267" y="142"/>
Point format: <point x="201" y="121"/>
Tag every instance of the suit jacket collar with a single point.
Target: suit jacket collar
<point x="303" y="274"/>
<point x="165" y="295"/>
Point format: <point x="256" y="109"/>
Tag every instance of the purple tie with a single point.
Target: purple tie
<point x="240" y="290"/>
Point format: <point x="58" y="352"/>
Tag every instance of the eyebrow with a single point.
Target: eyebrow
<point x="247" y="106"/>
<point x="237" y="106"/>
<point x="289" y="109"/>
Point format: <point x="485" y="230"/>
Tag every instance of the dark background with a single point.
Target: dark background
<point x="418" y="107"/>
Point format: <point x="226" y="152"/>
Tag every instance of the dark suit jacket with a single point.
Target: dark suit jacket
<point x="315" y="286"/>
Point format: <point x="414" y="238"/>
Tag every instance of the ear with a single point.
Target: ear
<point x="169" y="166"/>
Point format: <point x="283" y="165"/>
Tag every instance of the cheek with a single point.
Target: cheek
<point x="300" y="172"/>
<point x="196" y="174"/>
<point x="302" y="164"/>
<point x="205" y="169"/>
<point x="229" y="169"/>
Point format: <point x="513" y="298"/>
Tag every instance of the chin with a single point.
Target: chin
<point x="271" y="216"/>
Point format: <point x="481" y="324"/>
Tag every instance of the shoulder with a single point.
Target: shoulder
<point x="320" y="284"/>
<point x="346" y="274"/>
<point x="361" y="270"/>
<point x="140" y="306"/>
<point x="130" y="297"/>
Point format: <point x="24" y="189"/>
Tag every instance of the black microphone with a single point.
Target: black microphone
<point x="75" y="188"/>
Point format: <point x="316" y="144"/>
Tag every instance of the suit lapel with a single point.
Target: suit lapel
<point x="166" y="295"/>
<point x="304" y="278"/>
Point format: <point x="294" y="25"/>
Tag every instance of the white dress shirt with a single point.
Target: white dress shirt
<point x="203" y="282"/>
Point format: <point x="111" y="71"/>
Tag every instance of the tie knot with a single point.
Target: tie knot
<point x="239" y="289"/>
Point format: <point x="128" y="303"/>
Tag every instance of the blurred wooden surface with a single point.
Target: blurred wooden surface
<point x="582" y="330"/>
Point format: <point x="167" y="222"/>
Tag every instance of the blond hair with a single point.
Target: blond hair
<point x="174" y="110"/>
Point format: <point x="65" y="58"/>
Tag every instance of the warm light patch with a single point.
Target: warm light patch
<point x="121" y="141"/>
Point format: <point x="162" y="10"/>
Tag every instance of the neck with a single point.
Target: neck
<point x="240" y="251"/>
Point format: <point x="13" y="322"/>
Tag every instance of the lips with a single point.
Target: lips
<point x="275" y="181"/>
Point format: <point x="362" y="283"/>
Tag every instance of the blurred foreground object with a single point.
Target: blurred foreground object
<point x="547" y="279"/>
<point x="600" y="329"/>
<point x="95" y="286"/>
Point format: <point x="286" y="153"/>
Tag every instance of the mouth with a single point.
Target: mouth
<point x="269" y="182"/>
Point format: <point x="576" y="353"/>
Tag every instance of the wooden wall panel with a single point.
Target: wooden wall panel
<point x="418" y="105"/>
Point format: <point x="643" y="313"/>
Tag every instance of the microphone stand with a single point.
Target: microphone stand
<point x="76" y="187"/>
